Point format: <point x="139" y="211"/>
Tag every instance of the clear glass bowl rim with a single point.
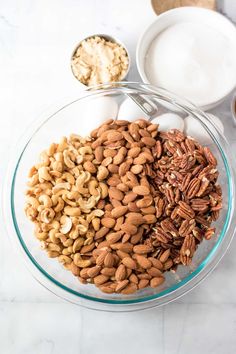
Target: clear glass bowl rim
<point x="192" y="279"/>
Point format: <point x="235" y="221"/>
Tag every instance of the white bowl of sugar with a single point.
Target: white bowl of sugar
<point x="190" y="51"/>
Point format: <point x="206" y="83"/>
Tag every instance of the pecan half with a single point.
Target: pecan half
<point x="185" y="211"/>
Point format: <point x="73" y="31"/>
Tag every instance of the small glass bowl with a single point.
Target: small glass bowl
<point x="71" y="118"/>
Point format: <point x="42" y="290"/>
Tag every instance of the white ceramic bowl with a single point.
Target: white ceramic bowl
<point x="184" y="14"/>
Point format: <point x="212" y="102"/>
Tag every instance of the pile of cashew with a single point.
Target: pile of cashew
<point x="62" y="197"/>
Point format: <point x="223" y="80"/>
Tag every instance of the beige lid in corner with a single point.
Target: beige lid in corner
<point x="160" y="6"/>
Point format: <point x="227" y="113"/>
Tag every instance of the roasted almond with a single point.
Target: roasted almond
<point x="150" y="218"/>
<point x="129" y="197"/>
<point x="112" y="168"/>
<point x="125" y="247"/>
<point x="129" y="263"/>
<point x="103" y="131"/>
<point x="113" y="237"/>
<point x="99" y="153"/>
<point x="134" y="218"/>
<point x="128" y="137"/>
<point x="136" y="169"/>
<point x="122" y="122"/>
<point x="133" y="278"/>
<point x="100" y="279"/>
<point x="84" y="273"/>
<point x="144" y="132"/>
<point x="152" y="127"/>
<point x="154" y="272"/>
<point x="118" y="159"/>
<point x="87" y="248"/>
<point x="94" y="271"/>
<point x="109" y="272"/>
<point x="107" y="161"/>
<point x="168" y="264"/>
<point x="115" y="193"/>
<point x="156" y="263"/>
<point x="148" y="210"/>
<point x="141" y="190"/>
<point x="144" y="182"/>
<point x="131" y="176"/>
<point x="109" y="260"/>
<point x="109" y="153"/>
<point x="108" y="222"/>
<point x="115" y="203"/>
<point x="144" y="276"/>
<point x="106" y="289"/>
<point x="120" y="273"/>
<point x="119" y="222"/>
<point x="90" y="167"/>
<point x="74" y="269"/>
<point x="125" y="238"/>
<point x="129" y="228"/>
<point x="101" y="233"/>
<point x="116" y="259"/>
<point x="96" y="143"/>
<point x="148" y="156"/>
<point x="129" y="272"/>
<point x="124" y="167"/>
<point x="122" y="187"/>
<point x="94" y="133"/>
<point x="142" y="123"/>
<point x="114" y="136"/>
<point x="122" y="254"/>
<point x="154" y="282"/>
<point x="119" y="211"/>
<point x="144" y="262"/>
<point x="140" y="160"/>
<point x="165" y="255"/>
<point x="133" y="207"/>
<point x="134" y="131"/>
<point x="136" y="238"/>
<point x="113" y="181"/>
<point x="129" y="289"/>
<point x="142" y="249"/>
<point x="96" y="252"/>
<point x="101" y="204"/>
<point x="104" y="245"/>
<point x="144" y="202"/>
<point x="148" y="141"/>
<point x="143" y="283"/>
<point x="100" y="258"/>
<point x="134" y="152"/>
<point x="121" y="285"/>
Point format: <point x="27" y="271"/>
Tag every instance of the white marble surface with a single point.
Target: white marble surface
<point x="36" y="39"/>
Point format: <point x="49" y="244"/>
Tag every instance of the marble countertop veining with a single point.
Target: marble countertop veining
<point x="36" y="39"/>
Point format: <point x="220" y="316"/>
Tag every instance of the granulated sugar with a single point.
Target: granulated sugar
<point x="192" y="60"/>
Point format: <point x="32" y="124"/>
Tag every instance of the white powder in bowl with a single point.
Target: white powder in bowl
<point x="194" y="61"/>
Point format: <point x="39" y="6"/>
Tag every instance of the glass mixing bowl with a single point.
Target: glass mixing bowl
<point x="80" y="116"/>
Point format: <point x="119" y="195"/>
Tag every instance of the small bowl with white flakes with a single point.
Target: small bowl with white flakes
<point x="100" y="59"/>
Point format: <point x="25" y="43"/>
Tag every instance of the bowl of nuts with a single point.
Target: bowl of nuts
<point x="121" y="213"/>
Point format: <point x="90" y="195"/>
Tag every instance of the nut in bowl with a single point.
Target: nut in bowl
<point x="134" y="221"/>
<point x="100" y="59"/>
<point x="117" y="226"/>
